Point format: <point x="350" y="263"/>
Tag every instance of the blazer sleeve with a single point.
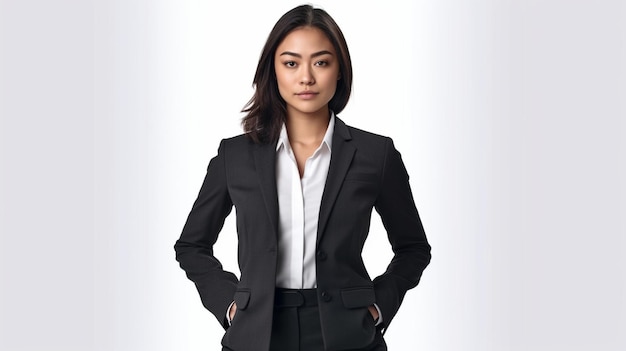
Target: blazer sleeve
<point x="194" y="249"/>
<point x="405" y="232"/>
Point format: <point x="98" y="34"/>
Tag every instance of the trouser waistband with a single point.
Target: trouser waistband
<point x="295" y="297"/>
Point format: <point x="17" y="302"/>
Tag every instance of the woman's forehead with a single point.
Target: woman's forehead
<point x="305" y="40"/>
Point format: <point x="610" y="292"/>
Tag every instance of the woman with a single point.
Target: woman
<point x="303" y="185"/>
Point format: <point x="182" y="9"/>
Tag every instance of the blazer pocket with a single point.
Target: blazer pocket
<point x="357" y="297"/>
<point x="362" y="177"/>
<point x="242" y="297"/>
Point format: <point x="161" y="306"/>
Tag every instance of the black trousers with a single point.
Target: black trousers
<point x="296" y="325"/>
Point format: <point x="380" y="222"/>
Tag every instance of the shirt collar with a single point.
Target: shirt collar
<point x="283" y="139"/>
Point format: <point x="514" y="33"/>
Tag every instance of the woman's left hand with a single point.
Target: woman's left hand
<point x="373" y="312"/>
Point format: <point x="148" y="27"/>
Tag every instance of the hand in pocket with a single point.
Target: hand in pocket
<point x="373" y="312"/>
<point x="233" y="311"/>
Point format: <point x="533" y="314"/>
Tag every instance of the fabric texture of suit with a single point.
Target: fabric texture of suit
<point x="366" y="172"/>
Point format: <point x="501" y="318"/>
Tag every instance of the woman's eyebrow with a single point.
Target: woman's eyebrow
<point x="319" y="53"/>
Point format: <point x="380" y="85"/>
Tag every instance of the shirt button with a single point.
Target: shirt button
<point x="326" y="296"/>
<point x="321" y="255"/>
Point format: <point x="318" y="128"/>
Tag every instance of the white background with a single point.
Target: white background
<point x="510" y="115"/>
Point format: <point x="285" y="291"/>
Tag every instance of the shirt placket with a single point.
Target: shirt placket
<point x="297" y="223"/>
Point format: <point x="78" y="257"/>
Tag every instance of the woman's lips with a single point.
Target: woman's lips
<point x="307" y="95"/>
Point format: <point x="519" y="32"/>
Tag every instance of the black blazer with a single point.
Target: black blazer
<point x="365" y="172"/>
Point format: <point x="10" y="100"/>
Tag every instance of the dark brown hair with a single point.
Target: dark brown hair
<point x="266" y="110"/>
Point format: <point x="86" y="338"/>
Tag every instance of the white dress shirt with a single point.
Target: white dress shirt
<point x="299" y="202"/>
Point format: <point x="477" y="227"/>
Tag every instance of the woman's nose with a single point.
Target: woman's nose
<point x="307" y="77"/>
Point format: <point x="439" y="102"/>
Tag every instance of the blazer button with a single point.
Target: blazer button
<point x="326" y="296"/>
<point x="321" y="255"/>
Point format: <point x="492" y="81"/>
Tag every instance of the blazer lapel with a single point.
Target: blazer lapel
<point x="341" y="157"/>
<point x="265" y="163"/>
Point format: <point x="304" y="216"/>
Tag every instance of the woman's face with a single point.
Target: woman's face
<point x="307" y="70"/>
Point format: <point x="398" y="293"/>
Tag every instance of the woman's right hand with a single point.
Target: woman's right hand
<point x="233" y="311"/>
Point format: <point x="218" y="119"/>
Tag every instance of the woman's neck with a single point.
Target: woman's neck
<point x="307" y="129"/>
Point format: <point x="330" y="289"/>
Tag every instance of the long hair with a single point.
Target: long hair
<point x="266" y="110"/>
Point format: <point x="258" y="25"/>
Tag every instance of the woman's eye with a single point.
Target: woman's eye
<point x="290" y="64"/>
<point x="321" y="63"/>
